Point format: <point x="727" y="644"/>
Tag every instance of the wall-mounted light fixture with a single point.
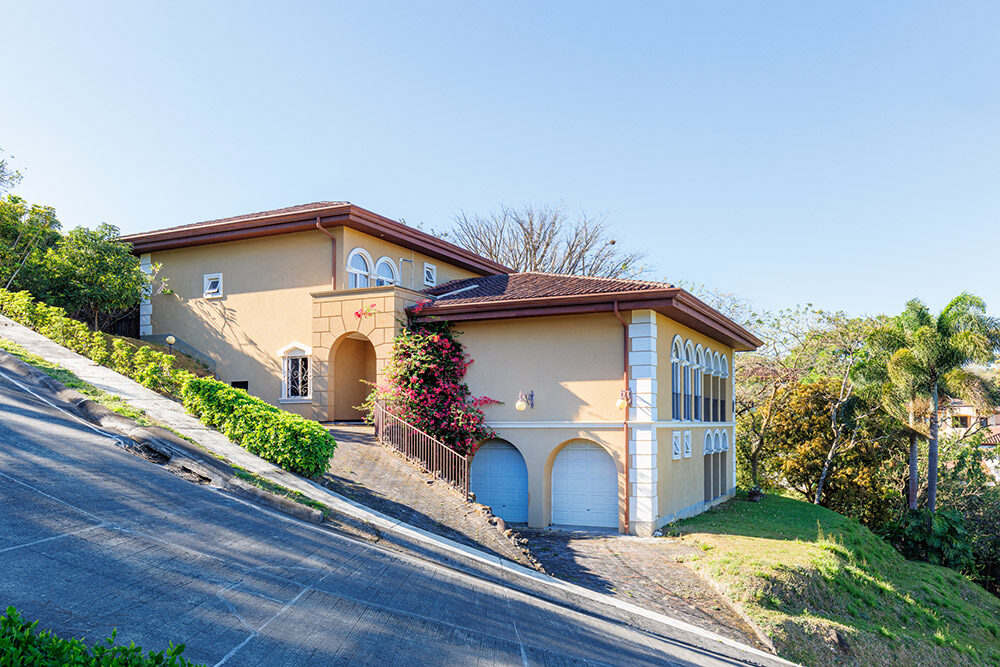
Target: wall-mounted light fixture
<point x="524" y="400"/>
<point x="170" y="343"/>
<point x="624" y="399"/>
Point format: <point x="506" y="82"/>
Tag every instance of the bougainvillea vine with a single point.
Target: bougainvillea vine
<point x="424" y="387"/>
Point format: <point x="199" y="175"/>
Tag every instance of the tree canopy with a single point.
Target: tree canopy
<point x="547" y="238"/>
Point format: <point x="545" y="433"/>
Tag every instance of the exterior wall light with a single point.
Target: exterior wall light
<point x="170" y="343"/>
<point x="623" y="399"/>
<point x="524" y="400"/>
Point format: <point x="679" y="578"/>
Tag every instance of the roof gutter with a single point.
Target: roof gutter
<point x="333" y="256"/>
<point x="628" y="396"/>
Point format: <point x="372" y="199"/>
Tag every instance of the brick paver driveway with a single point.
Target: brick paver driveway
<point x="647" y="571"/>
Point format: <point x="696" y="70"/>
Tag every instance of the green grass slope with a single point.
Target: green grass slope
<point x="829" y="592"/>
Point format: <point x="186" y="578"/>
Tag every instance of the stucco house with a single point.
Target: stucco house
<point x="624" y="386"/>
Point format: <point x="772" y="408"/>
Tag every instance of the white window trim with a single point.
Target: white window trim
<point x="434" y="270"/>
<point x="392" y="267"/>
<point x="295" y="351"/>
<point x="206" y="279"/>
<point x="358" y="272"/>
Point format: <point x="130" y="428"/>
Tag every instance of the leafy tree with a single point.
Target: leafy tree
<point x="545" y="238"/>
<point x="862" y="480"/>
<point x="94" y="275"/>
<point x="8" y="177"/>
<point x="927" y="355"/>
<point x="25" y="234"/>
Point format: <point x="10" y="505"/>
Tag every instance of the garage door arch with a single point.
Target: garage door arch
<point x="584" y="486"/>
<point x="498" y="476"/>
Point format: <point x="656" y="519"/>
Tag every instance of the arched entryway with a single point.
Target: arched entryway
<point x="584" y="486"/>
<point x="352" y="364"/>
<point x="499" y="478"/>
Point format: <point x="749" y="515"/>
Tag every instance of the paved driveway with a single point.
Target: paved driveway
<point x="94" y="538"/>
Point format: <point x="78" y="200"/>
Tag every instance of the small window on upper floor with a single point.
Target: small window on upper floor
<point x="212" y="285"/>
<point x="430" y="275"/>
<point x="385" y="272"/>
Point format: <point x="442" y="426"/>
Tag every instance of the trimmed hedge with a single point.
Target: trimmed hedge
<point x="21" y="645"/>
<point x="285" y="439"/>
<point x="147" y="366"/>
<point x="295" y="443"/>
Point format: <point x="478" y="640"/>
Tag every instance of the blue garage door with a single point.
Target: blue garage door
<point x="499" y="478"/>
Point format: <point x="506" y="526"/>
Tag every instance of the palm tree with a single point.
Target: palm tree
<point x="926" y="358"/>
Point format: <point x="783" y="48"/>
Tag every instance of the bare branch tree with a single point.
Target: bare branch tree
<point x="546" y="238"/>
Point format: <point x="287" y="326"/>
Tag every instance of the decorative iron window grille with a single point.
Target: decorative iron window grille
<point x="296" y="377"/>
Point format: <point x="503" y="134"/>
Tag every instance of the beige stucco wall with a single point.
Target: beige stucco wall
<point x="410" y="275"/>
<point x="680" y="487"/>
<point x="265" y="304"/>
<point x="276" y="291"/>
<point x="573" y="364"/>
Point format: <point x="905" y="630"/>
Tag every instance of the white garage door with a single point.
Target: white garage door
<point x="499" y="478"/>
<point x="584" y="487"/>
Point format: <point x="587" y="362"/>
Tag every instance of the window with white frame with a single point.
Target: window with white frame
<point x="688" y="373"/>
<point x="359" y="268"/>
<point x="212" y="285"/>
<point x="296" y="372"/>
<point x="699" y="363"/>
<point x="430" y="275"/>
<point x="676" y="360"/>
<point x="385" y="272"/>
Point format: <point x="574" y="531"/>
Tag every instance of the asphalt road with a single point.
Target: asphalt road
<point x="93" y="537"/>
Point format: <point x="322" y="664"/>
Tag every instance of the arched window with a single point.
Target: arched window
<point x="722" y="389"/>
<point x="688" y="373"/>
<point x="359" y="266"/>
<point x="718" y="387"/>
<point x="676" y="362"/>
<point x="707" y="387"/>
<point x="385" y="272"/>
<point x="699" y="364"/>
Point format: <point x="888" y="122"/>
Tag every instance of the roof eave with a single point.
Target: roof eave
<point x="347" y="215"/>
<point x="674" y="303"/>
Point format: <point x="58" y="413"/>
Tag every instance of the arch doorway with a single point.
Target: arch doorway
<point x="584" y="486"/>
<point x="352" y="363"/>
<point x="499" y="478"/>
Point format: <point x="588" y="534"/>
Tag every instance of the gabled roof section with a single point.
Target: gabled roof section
<point x="304" y="218"/>
<point x="533" y="294"/>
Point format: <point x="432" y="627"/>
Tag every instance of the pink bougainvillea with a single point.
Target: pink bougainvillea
<point x="365" y="311"/>
<point x="424" y="387"/>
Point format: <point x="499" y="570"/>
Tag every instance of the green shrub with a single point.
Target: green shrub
<point x="942" y="540"/>
<point x="285" y="439"/>
<point x="20" y="644"/>
<point x="290" y="441"/>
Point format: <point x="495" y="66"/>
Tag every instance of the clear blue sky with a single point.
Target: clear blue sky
<point x="844" y="154"/>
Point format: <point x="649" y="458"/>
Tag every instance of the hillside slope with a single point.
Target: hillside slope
<point x="829" y="592"/>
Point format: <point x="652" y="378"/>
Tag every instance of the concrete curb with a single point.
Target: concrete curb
<point x="172" y="446"/>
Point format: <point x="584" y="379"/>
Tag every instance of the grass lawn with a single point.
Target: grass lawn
<point x="829" y="592"/>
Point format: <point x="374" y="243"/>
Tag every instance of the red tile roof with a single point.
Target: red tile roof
<point x="534" y="294"/>
<point x="534" y="285"/>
